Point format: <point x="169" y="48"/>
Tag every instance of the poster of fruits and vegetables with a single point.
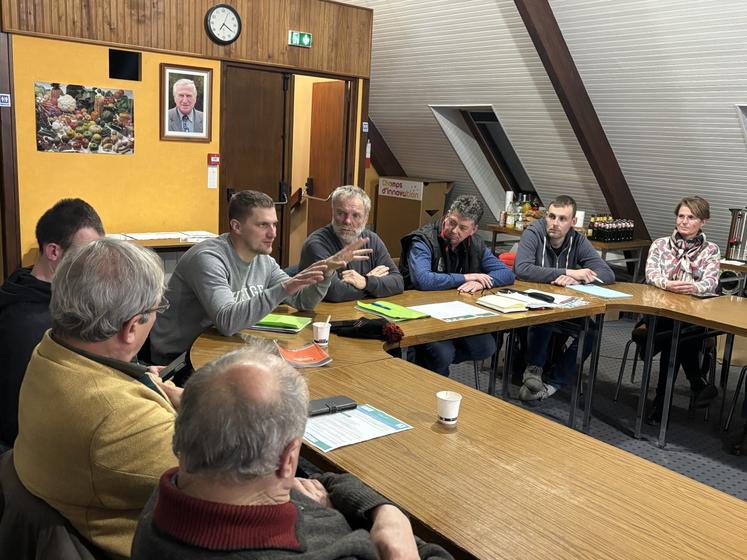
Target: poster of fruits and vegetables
<point x="84" y="119"/>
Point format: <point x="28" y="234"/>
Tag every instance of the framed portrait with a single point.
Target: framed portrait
<point x="186" y="103"/>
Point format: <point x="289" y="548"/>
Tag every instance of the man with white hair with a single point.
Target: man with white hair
<point x="238" y="439"/>
<point x="376" y="277"/>
<point x="94" y="428"/>
<point x="183" y="117"/>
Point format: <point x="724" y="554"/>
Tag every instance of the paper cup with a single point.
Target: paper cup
<point x="448" y="407"/>
<point x="321" y="333"/>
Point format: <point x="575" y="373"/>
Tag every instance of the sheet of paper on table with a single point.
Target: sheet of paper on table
<point x="450" y="311"/>
<point x="330" y="431"/>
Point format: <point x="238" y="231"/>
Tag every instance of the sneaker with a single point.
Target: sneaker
<point x="704" y="396"/>
<point x="527" y="395"/>
<point x="532" y="379"/>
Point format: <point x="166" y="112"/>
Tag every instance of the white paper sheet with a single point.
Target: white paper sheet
<point x="155" y="235"/>
<point x="451" y="311"/>
<point x="330" y="431"/>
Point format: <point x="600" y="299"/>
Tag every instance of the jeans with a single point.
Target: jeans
<point x="538" y="345"/>
<point x="438" y="356"/>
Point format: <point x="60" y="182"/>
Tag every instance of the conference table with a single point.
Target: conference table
<point x="508" y="483"/>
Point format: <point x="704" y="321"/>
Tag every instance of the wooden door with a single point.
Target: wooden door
<point x="255" y="123"/>
<point x="328" y="146"/>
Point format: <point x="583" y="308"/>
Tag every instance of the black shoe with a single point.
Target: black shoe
<point x="705" y="395"/>
<point x="654" y="415"/>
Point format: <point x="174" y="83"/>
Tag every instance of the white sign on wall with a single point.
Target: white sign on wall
<point x="401" y="188"/>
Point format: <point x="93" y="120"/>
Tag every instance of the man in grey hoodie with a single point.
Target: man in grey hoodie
<point x="231" y="281"/>
<point x="553" y="252"/>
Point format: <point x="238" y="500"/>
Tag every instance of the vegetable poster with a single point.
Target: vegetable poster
<point x="84" y="119"/>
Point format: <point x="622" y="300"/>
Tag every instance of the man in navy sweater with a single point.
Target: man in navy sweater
<point x="552" y="252"/>
<point x="449" y="254"/>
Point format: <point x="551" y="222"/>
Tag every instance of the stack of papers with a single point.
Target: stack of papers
<point x="281" y="323"/>
<point x="598" y="291"/>
<point x="311" y="355"/>
<point x="390" y="310"/>
<point x="330" y="431"/>
<point x="451" y="311"/>
<point x="502" y="303"/>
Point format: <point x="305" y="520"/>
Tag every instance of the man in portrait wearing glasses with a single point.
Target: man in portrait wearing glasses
<point x="95" y="429"/>
<point x="552" y="252"/>
<point x="183" y="117"/>
<point x="449" y="254"/>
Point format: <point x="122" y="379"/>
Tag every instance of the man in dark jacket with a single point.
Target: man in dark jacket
<point x="25" y="295"/>
<point x="238" y="438"/>
<point x="449" y="254"/>
<point x="553" y="252"/>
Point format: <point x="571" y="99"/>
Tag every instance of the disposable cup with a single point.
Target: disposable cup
<point x="321" y="333"/>
<point x="448" y="407"/>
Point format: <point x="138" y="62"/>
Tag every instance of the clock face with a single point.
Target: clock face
<point x="223" y="24"/>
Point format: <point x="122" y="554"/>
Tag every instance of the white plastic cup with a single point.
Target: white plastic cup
<point x="321" y="333"/>
<point x="448" y="407"/>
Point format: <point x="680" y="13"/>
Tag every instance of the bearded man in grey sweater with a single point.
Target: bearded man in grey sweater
<point x="231" y="281"/>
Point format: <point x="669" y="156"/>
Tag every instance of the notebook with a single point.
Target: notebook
<point x="311" y="355"/>
<point x="503" y="304"/>
<point x="390" y="310"/>
<point x="281" y="323"/>
<point x="598" y="291"/>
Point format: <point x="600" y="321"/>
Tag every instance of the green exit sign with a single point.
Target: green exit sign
<point x="300" y="39"/>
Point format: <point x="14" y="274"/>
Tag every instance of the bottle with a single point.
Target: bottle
<point x="590" y="227"/>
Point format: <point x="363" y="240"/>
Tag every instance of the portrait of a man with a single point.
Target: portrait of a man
<point x="185" y="103"/>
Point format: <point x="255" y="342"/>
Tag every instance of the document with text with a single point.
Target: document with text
<point x="330" y="431"/>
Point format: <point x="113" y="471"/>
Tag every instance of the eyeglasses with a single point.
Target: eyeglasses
<point x="160" y="308"/>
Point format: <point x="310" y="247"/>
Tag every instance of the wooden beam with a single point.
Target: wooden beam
<point x="553" y="51"/>
<point x="11" y="245"/>
<point x="382" y="158"/>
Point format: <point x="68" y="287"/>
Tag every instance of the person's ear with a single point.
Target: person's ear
<point x="235" y="226"/>
<point x="128" y="331"/>
<point x="289" y="459"/>
<point x="573" y="222"/>
<point x="53" y="252"/>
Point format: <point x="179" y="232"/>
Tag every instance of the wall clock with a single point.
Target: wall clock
<point x="223" y="24"/>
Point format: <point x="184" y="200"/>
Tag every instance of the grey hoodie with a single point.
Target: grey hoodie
<point x="536" y="261"/>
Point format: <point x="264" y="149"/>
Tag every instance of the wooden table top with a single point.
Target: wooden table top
<point x="507" y="483"/>
<point x="741" y="267"/>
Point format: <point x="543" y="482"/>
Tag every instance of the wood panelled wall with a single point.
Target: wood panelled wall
<point x="342" y="33"/>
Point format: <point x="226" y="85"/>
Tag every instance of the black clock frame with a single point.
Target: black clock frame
<point x="209" y="31"/>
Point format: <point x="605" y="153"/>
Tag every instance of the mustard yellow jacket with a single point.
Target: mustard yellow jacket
<point x="92" y="443"/>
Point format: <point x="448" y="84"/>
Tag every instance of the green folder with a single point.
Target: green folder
<point x="282" y="323"/>
<point x="390" y="310"/>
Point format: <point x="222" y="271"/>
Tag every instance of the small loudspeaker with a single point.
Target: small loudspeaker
<point x="730" y="282"/>
<point x="124" y="65"/>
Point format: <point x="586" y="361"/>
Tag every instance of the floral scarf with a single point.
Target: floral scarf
<point x="685" y="254"/>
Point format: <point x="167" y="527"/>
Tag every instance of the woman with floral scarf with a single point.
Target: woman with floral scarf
<point x="684" y="263"/>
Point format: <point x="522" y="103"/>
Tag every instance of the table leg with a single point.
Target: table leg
<point x="494" y="369"/>
<point x="725" y="365"/>
<point x="667" y="405"/>
<point x="599" y="320"/>
<point x="637" y="266"/>
<point x="507" y="364"/>
<point x="648" y="359"/>
<point x="576" y="387"/>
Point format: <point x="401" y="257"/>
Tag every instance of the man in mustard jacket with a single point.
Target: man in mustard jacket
<point x="95" y="428"/>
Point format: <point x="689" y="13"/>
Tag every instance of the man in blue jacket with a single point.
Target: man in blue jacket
<point x="553" y="252"/>
<point x="449" y="254"/>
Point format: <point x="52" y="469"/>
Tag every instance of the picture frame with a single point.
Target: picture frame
<point x="186" y="116"/>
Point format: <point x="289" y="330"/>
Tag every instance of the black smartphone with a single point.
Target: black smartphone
<point x="170" y="370"/>
<point x="705" y="296"/>
<point x="329" y="405"/>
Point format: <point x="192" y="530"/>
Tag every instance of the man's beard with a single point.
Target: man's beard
<point x="345" y="236"/>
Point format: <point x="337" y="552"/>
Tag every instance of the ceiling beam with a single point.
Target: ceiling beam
<point x="553" y="51"/>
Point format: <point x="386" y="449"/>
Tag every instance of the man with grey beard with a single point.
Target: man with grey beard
<point x="376" y="277"/>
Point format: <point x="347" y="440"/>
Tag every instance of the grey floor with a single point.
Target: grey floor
<point x="694" y="447"/>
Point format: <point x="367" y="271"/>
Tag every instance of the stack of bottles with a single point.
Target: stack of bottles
<point x="603" y="227"/>
<point x="520" y="210"/>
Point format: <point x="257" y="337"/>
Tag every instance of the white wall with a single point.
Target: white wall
<point x="664" y="76"/>
<point x="470" y="52"/>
